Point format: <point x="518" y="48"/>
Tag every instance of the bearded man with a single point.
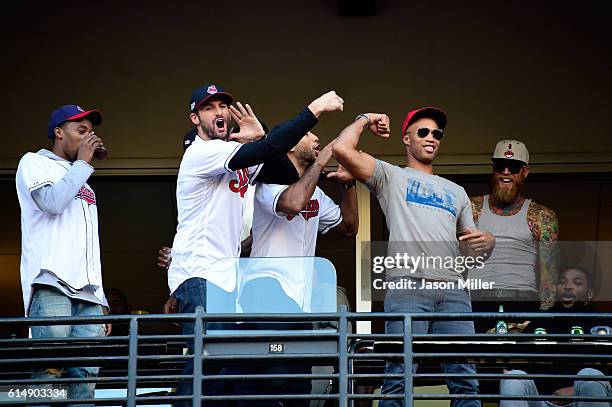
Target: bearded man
<point x="523" y="265"/>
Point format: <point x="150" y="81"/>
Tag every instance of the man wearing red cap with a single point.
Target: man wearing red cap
<point x="60" y="256"/>
<point x="425" y="214"/>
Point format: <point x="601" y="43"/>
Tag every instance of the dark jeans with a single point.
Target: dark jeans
<point x="192" y="293"/>
<point x="276" y="301"/>
<point x="435" y="300"/>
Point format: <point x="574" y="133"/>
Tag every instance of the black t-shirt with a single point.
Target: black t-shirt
<point x="563" y="326"/>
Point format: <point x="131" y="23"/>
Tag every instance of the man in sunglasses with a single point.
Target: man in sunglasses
<point x="523" y="260"/>
<point x="425" y="214"/>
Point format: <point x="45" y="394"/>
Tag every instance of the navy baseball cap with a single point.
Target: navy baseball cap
<point x="72" y="113"/>
<point x="203" y="93"/>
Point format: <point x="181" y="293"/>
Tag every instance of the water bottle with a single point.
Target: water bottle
<point x="501" y="327"/>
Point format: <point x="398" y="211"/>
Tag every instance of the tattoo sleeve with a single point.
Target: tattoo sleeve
<point x="545" y="230"/>
<point x="477" y="202"/>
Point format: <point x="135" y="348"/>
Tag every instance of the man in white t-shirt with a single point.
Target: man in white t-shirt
<point x="288" y="217"/>
<point x="60" y="252"/>
<point x="212" y="181"/>
<point x="288" y="212"/>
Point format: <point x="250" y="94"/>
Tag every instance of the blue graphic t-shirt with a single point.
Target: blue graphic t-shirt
<point x="424" y="213"/>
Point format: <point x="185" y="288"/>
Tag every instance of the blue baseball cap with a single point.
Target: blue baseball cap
<point x="203" y="93"/>
<point x="72" y="113"/>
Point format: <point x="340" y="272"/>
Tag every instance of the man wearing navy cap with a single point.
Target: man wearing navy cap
<point x="427" y="216"/>
<point x="60" y="255"/>
<point x="212" y="182"/>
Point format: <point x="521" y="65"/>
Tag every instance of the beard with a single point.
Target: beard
<point x="212" y="131"/>
<point x="306" y="155"/>
<point x="506" y="196"/>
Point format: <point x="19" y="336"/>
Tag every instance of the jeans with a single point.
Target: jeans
<point x="434" y="300"/>
<point x="527" y="387"/>
<point x="190" y="294"/>
<point x="48" y="301"/>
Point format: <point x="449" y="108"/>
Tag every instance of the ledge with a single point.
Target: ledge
<point x="457" y="164"/>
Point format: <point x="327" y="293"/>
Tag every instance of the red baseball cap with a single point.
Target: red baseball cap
<point x="431" y="112"/>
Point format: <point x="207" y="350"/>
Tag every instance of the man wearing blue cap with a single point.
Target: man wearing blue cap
<point x="60" y="256"/>
<point x="212" y="182"/>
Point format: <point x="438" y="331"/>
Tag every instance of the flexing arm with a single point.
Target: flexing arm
<point x="53" y="199"/>
<point x="295" y="197"/>
<point x="284" y="137"/>
<point x="358" y="163"/>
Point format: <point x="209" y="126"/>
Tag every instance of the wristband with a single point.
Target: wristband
<point x="363" y="116"/>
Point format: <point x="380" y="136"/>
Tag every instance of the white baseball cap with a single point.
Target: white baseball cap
<point x="511" y="150"/>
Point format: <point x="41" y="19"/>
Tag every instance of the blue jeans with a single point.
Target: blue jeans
<point x="527" y="387"/>
<point x="439" y="300"/>
<point x="48" y="301"/>
<point x="190" y="294"/>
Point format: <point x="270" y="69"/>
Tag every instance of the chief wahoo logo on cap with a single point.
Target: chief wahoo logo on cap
<point x="509" y="153"/>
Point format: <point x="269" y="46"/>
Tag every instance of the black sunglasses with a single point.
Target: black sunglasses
<point x="422" y="132"/>
<point x="513" y="166"/>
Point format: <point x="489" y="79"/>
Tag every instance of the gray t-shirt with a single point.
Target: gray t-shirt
<point x="424" y="214"/>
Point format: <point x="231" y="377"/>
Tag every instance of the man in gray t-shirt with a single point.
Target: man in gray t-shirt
<point x="428" y="217"/>
<point x="425" y="213"/>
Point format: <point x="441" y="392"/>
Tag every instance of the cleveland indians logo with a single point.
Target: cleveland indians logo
<point x="87" y="195"/>
<point x="310" y="211"/>
<point x="212" y="89"/>
<point x="241" y="184"/>
<point x="509" y="153"/>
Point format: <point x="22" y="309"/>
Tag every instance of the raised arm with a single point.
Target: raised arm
<point x="284" y="137"/>
<point x="345" y="151"/>
<point x="53" y="199"/>
<point x="295" y="197"/>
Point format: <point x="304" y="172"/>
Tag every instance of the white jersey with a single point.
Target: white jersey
<point x="276" y="234"/>
<point x="210" y="210"/>
<point x="247" y="212"/>
<point x="66" y="244"/>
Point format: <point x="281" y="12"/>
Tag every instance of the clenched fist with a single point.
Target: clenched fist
<point x="328" y="102"/>
<point x="379" y="124"/>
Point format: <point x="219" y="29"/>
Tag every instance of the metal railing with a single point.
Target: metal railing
<point x="144" y="359"/>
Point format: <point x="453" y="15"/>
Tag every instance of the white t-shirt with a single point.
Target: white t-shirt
<point x="210" y="210"/>
<point x="66" y="244"/>
<point x="276" y="234"/>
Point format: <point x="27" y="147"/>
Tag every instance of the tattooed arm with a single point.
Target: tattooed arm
<point x="545" y="231"/>
<point x="477" y="202"/>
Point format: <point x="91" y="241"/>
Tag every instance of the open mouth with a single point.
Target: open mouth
<point x="568" y="297"/>
<point x="220" y="123"/>
<point x="430" y="148"/>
